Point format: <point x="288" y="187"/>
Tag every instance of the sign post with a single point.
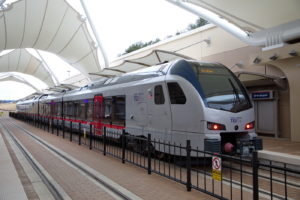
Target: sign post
<point x="217" y="168"/>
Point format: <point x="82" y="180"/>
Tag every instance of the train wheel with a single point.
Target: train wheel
<point x="141" y="146"/>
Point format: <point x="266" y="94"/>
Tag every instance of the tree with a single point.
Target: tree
<point x="139" y="45"/>
<point x="200" y="22"/>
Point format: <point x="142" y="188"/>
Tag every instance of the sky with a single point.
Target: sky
<point x="119" y="24"/>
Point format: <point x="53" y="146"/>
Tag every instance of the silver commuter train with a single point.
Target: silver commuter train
<point x="174" y="102"/>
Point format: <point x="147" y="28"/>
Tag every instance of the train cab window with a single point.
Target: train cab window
<point x="176" y="94"/>
<point x="159" y="95"/>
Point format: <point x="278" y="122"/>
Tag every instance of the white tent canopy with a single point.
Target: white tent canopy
<point x="17" y="78"/>
<point x="152" y="58"/>
<point x="49" y="25"/>
<point x="258" y="23"/>
<point x="20" y="60"/>
<point x="254" y="15"/>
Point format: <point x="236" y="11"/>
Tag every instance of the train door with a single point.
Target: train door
<point x="97" y="114"/>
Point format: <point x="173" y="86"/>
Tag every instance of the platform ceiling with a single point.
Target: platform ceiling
<point x="49" y="25"/>
<point x="19" y="79"/>
<point x="20" y="60"/>
<point x="153" y="57"/>
<point x="54" y="26"/>
<point x="254" y="15"/>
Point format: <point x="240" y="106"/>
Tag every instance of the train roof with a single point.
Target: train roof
<point x="145" y="73"/>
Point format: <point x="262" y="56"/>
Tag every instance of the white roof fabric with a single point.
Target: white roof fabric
<point x="20" y="60"/>
<point x="254" y="15"/>
<point x="152" y="58"/>
<point x="16" y="78"/>
<point x="49" y="25"/>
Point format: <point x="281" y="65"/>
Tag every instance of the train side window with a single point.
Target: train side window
<point x="65" y="109"/>
<point x="89" y="108"/>
<point x="82" y="111"/>
<point x="119" y="111"/>
<point x="159" y="95"/>
<point x="76" y="109"/>
<point x="70" y="109"/>
<point x="108" y="108"/>
<point x="58" y="104"/>
<point x="176" y="94"/>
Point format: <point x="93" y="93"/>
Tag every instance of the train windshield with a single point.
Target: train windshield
<point x="222" y="90"/>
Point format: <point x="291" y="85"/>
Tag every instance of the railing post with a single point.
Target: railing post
<point x="57" y="128"/>
<point x="91" y="131"/>
<point x="52" y="125"/>
<point x="79" y="134"/>
<point x="48" y="123"/>
<point x="104" y="140"/>
<point x="63" y="127"/>
<point x="149" y="152"/>
<point x="123" y="145"/>
<point x="44" y="123"/>
<point x="188" y="166"/>
<point x="71" y="131"/>
<point x="255" y="165"/>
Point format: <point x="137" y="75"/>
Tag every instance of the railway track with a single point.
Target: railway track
<point x="113" y="189"/>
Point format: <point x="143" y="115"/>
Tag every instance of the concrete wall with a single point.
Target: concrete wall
<point x="291" y="67"/>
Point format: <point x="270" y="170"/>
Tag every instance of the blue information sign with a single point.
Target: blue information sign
<point x="262" y="95"/>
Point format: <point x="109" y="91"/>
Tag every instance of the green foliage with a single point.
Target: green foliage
<point x="139" y="45"/>
<point x="200" y="22"/>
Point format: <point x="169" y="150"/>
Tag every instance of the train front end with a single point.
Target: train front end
<point x="228" y="124"/>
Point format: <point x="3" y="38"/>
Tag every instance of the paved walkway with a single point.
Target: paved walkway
<point x="10" y="184"/>
<point x="281" y="145"/>
<point x="129" y="176"/>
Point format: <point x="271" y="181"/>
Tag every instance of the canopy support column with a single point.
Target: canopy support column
<point x="106" y="64"/>
<point x="54" y="78"/>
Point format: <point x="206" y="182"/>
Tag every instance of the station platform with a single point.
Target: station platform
<point x="130" y="177"/>
<point x="281" y="150"/>
<point x="125" y="176"/>
<point x="281" y="145"/>
<point x="10" y="183"/>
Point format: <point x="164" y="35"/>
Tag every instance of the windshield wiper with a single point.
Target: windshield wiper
<point x="234" y="91"/>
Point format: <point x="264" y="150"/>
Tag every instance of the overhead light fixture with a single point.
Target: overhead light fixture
<point x="208" y="41"/>
<point x="293" y="53"/>
<point x="240" y="64"/>
<point x="274" y="57"/>
<point x="257" y="60"/>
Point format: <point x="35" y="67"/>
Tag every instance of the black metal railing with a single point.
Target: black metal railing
<point x="239" y="177"/>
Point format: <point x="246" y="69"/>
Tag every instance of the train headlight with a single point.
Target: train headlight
<point x="215" y="126"/>
<point x="249" y="125"/>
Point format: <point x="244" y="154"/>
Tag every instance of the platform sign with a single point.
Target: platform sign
<point x="216" y="168"/>
<point x="262" y="95"/>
